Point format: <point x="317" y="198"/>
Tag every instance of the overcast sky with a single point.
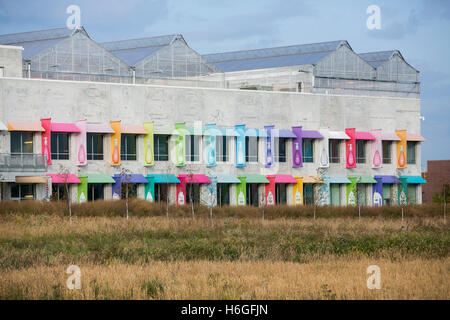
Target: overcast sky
<point x="419" y="29"/>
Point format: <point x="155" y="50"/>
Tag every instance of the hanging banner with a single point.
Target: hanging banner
<point x="81" y="143"/>
<point x="350" y="148"/>
<point x="323" y="149"/>
<point x="180" y="145"/>
<point x="149" y="159"/>
<point x="270" y="140"/>
<point x="298" y="192"/>
<point x="45" y="139"/>
<point x="240" y="145"/>
<point x="351" y="191"/>
<point x="401" y="149"/>
<point x="377" y="193"/>
<point x="115" y="143"/>
<point x="150" y="189"/>
<point x="270" y="191"/>
<point x="117" y="188"/>
<point x="209" y="193"/>
<point x="323" y="192"/>
<point x="181" y="191"/>
<point x="402" y="193"/>
<point x="83" y="189"/>
<point x="211" y="145"/>
<point x="297" y="160"/>
<point x="241" y="192"/>
<point x="376" y="149"/>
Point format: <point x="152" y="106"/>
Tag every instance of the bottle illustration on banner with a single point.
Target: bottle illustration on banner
<point x="179" y="150"/>
<point x="116" y="196"/>
<point x="211" y="155"/>
<point x="351" y="157"/>
<point x="401" y="157"/>
<point x="148" y="155"/>
<point x="269" y="153"/>
<point x="324" y="158"/>
<point x="149" y="196"/>
<point x="240" y="153"/>
<point x="298" y="198"/>
<point x="270" y="198"/>
<point x="297" y="154"/>
<point x="46" y="148"/>
<point x="376" y="157"/>
<point x="351" y="198"/>
<point x="180" y="198"/>
<point x="377" y="199"/>
<point x="403" y="200"/>
<point x="82" y="197"/>
<point x="116" y="151"/>
<point x="81" y="154"/>
<point x="241" y="199"/>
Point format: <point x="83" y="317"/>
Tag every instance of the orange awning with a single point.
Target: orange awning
<point x="414" y="137"/>
<point x="25" y="126"/>
<point x="136" y="129"/>
<point x="31" y="179"/>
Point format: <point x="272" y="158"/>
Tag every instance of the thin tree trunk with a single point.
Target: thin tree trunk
<point x="126" y="201"/>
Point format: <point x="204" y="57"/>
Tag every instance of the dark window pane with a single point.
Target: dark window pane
<point x="94" y="146"/>
<point x="128" y="147"/>
<point x="308" y="193"/>
<point x="193" y="192"/>
<point x="60" y="145"/>
<point x="280" y="193"/>
<point x="281" y="149"/>
<point x="16" y="142"/>
<point x="334" y="152"/>
<point x="252" y="194"/>
<point x="251" y="149"/>
<point x="161" y="147"/>
<point x="223" y="190"/>
<point x="411" y="152"/>
<point x="386" y="152"/>
<point x="307" y="147"/>
<point x="360" y="151"/>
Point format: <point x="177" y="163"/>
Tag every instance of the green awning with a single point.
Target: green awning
<point x="363" y="179"/>
<point x="99" y="178"/>
<point x="225" y="178"/>
<point x="412" y="179"/>
<point x="163" y="178"/>
<point x="338" y="179"/>
<point x="254" y="178"/>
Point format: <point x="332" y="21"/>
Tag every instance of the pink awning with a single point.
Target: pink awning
<point x="361" y="135"/>
<point x="64" y="127"/>
<point x="283" y="178"/>
<point x="99" y="128"/>
<point x="25" y="126"/>
<point x="64" y="178"/>
<point x="390" y="137"/>
<point x="414" y="137"/>
<point x="194" y="178"/>
<point x="136" y="129"/>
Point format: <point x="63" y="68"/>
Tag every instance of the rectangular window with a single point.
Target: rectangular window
<point x="280" y="149"/>
<point x="252" y="194"/>
<point x="21" y="142"/>
<point x="308" y="194"/>
<point x="60" y="146"/>
<point x="335" y="194"/>
<point x="193" y="192"/>
<point x="22" y="191"/>
<point x="95" y="191"/>
<point x="251" y="149"/>
<point x="223" y="190"/>
<point x="128" y="147"/>
<point x="361" y="189"/>
<point x="193" y="148"/>
<point x="94" y="146"/>
<point x="59" y="191"/>
<point x="280" y="193"/>
<point x="334" y="152"/>
<point x="386" y="194"/>
<point x="308" y="152"/>
<point x="161" y="147"/>
<point x="387" y="146"/>
<point x="161" y="192"/>
<point x="411" y="152"/>
<point x="132" y="190"/>
<point x="412" y="193"/>
<point x="360" y="151"/>
<point x="221" y="149"/>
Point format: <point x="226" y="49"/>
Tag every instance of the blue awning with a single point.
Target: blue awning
<point x="163" y="178"/>
<point x="225" y="178"/>
<point x="130" y="178"/>
<point x="412" y="179"/>
<point x="283" y="133"/>
<point x="338" y="179"/>
<point x="387" y="179"/>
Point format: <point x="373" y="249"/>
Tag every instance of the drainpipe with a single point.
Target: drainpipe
<point x="28" y="62"/>
<point x="133" y="72"/>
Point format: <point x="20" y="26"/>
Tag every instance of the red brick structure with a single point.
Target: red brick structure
<point x="438" y="174"/>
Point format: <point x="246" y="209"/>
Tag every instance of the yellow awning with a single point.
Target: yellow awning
<point x="311" y="179"/>
<point x="31" y="179"/>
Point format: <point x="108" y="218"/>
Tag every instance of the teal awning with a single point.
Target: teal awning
<point x="412" y="179"/>
<point x="163" y="178"/>
<point x="363" y="179"/>
<point x="338" y="179"/>
<point x="254" y="178"/>
<point x="225" y="178"/>
<point x="255" y="133"/>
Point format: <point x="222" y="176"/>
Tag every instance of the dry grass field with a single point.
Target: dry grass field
<point x="237" y="255"/>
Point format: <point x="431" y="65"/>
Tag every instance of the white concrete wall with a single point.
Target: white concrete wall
<point x="11" y="61"/>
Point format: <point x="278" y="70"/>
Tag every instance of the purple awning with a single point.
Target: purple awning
<point x="311" y="134"/>
<point x="387" y="179"/>
<point x="283" y="133"/>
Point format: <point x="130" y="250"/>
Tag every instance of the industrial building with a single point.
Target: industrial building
<point x="298" y="125"/>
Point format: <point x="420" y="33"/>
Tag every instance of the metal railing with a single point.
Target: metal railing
<point x="22" y="162"/>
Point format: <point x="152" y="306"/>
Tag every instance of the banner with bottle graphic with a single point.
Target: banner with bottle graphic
<point x="297" y="160"/>
<point x="150" y="188"/>
<point x="240" y="145"/>
<point x="377" y="192"/>
<point x="45" y="139"/>
<point x="117" y="187"/>
<point x="298" y="192"/>
<point x="181" y="191"/>
<point x="376" y="149"/>
<point x="269" y="152"/>
<point x="209" y="192"/>
<point x="270" y="191"/>
<point x="323" y="149"/>
<point x="351" y="191"/>
<point x="350" y="148"/>
<point x="402" y="193"/>
<point x="401" y="149"/>
<point x="322" y="192"/>
<point x="83" y="189"/>
<point x="180" y="144"/>
<point x="149" y="159"/>
<point x="115" y="143"/>
<point x="210" y="145"/>
<point x="241" y="192"/>
<point x="81" y="143"/>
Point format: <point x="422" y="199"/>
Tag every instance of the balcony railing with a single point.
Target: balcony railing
<point x="22" y="162"/>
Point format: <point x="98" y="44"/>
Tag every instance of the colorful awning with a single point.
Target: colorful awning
<point x="412" y="179"/>
<point x="361" y="135"/>
<point x="414" y="137"/>
<point x="64" y="127"/>
<point x="99" y="178"/>
<point x="32" y="179"/>
<point x="390" y="136"/>
<point x="164" y="130"/>
<point x="229" y="132"/>
<point x="163" y="178"/>
<point x="3" y="127"/>
<point x="387" y="179"/>
<point x="254" y="178"/>
<point x="194" y="131"/>
<point x="338" y="179"/>
<point x="25" y="126"/>
<point x="225" y="178"/>
<point x="255" y="133"/>
<point x="311" y="179"/>
<point x="283" y="133"/>
<point x="338" y="135"/>
<point x="99" y="128"/>
<point x="311" y="134"/>
<point x="63" y="178"/>
<point x="362" y="179"/>
<point x="283" y="178"/>
<point x="130" y="178"/>
<point x="135" y="129"/>
<point x="193" y="178"/>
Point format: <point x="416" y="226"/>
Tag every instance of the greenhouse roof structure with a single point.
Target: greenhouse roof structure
<point x="378" y="58"/>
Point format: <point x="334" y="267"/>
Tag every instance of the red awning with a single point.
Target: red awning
<point x="64" y="127"/>
<point x="360" y="135"/>
<point x="64" y="178"/>
<point x="283" y="178"/>
<point x="193" y="178"/>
